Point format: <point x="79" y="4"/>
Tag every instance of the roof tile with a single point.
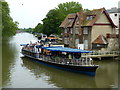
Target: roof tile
<point x="100" y="40"/>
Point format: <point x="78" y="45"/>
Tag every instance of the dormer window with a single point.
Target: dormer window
<point x="90" y="17"/>
<point x="70" y="19"/>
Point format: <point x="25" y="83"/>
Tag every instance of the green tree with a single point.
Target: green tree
<point x="67" y="8"/>
<point x="51" y="23"/>
<point x="8" y="26"/>
<point x="38" y="28"/>
<point x="55" y="16"/>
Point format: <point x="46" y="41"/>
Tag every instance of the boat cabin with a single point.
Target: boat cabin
<point x="63" y="55"/>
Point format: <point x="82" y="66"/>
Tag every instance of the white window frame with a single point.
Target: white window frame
<point x="76" y="30"/>
<point x="85" y="30"/>
<point x="87" y="18"/>
<point x="65" y="30"/>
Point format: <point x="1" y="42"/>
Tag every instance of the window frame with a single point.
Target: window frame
<point x="85" y="30"/>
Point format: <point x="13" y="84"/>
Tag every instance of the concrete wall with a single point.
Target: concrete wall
<point x="113" y="44"/>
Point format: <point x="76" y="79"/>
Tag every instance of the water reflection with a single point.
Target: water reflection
<point x="11" y="55"/>
<point x="22" y="72"/>
<point x="107" y="74"/>
<point x="58" y="77"/>
<point x="8" y="54"/>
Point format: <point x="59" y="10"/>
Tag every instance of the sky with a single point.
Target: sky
<point x="30" y="12"/>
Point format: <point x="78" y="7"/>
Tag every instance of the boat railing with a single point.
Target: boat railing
<point x="67" y="61"/>
<point x="60" y="59"/>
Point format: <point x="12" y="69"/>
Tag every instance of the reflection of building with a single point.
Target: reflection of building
<point x="85" y="27"/>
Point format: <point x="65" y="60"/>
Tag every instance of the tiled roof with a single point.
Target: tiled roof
<point x="68" y="21"/>
<point x="82" y="17"/>
<point x="96" y="13"/>
<point x="100" y="40"/>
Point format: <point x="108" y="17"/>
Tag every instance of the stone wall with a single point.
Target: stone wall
<point x="113" y="44"/>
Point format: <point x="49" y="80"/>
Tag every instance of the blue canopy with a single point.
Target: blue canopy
<point x="65" y="49"/>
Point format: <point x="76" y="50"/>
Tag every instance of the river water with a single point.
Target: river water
<point x="21" y="72"/>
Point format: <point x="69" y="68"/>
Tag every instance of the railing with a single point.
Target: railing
<point x="103" y="53"/>
<point x="67" y="61"/>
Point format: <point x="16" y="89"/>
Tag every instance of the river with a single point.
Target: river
<point x="21" y="72"/>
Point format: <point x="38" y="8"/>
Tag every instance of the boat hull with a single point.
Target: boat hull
<point x="89" y="70"/>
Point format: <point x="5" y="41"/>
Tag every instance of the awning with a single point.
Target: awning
<point x="65" y="49"/>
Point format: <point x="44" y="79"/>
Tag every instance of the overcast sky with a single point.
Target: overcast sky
<point x="30" y="12"/>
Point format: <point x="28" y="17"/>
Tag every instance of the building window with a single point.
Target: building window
<point x="71" y="30"/>
<point x="87" y="18"/>
<point x="85" y="44"/>
<point x="65" y="30"/>
<point x="76" y="30"/>
<point x="115" y="15"/>
<point x="85" y="30"/>
<point x="69" y="20"/>
<point x="65" y="40"/>
<point x="90" y="17"/>
<point x="76" y="42"/>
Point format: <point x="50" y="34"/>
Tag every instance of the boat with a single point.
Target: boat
<point x="59" y="57"/>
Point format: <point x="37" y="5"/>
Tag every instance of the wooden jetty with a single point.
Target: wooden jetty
<point x="102" y="55"/>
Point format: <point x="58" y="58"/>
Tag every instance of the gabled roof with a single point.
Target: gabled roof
<point x="82" y="17"/>
<point x="67" y="23"/>
<point x="96" y="13"/>
<point x="100" y="40"/>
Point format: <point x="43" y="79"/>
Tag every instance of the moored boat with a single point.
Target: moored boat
<point x="63" y="58"/>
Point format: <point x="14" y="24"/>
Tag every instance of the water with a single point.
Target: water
<point x="22" y="72"/>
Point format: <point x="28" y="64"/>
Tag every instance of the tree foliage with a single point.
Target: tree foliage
<point x="67" y="8"/>
<point x="51" y="23"/>
<point x="55" y="16"/>
<point x="8" y="26"/>
<point x="38" y="28"/>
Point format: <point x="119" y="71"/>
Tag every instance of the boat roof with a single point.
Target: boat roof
<point x="65" y="49"/>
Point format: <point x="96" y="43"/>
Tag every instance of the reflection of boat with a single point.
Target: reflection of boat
<point x="68" y="59"/>
<point x="59" y="78"/>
